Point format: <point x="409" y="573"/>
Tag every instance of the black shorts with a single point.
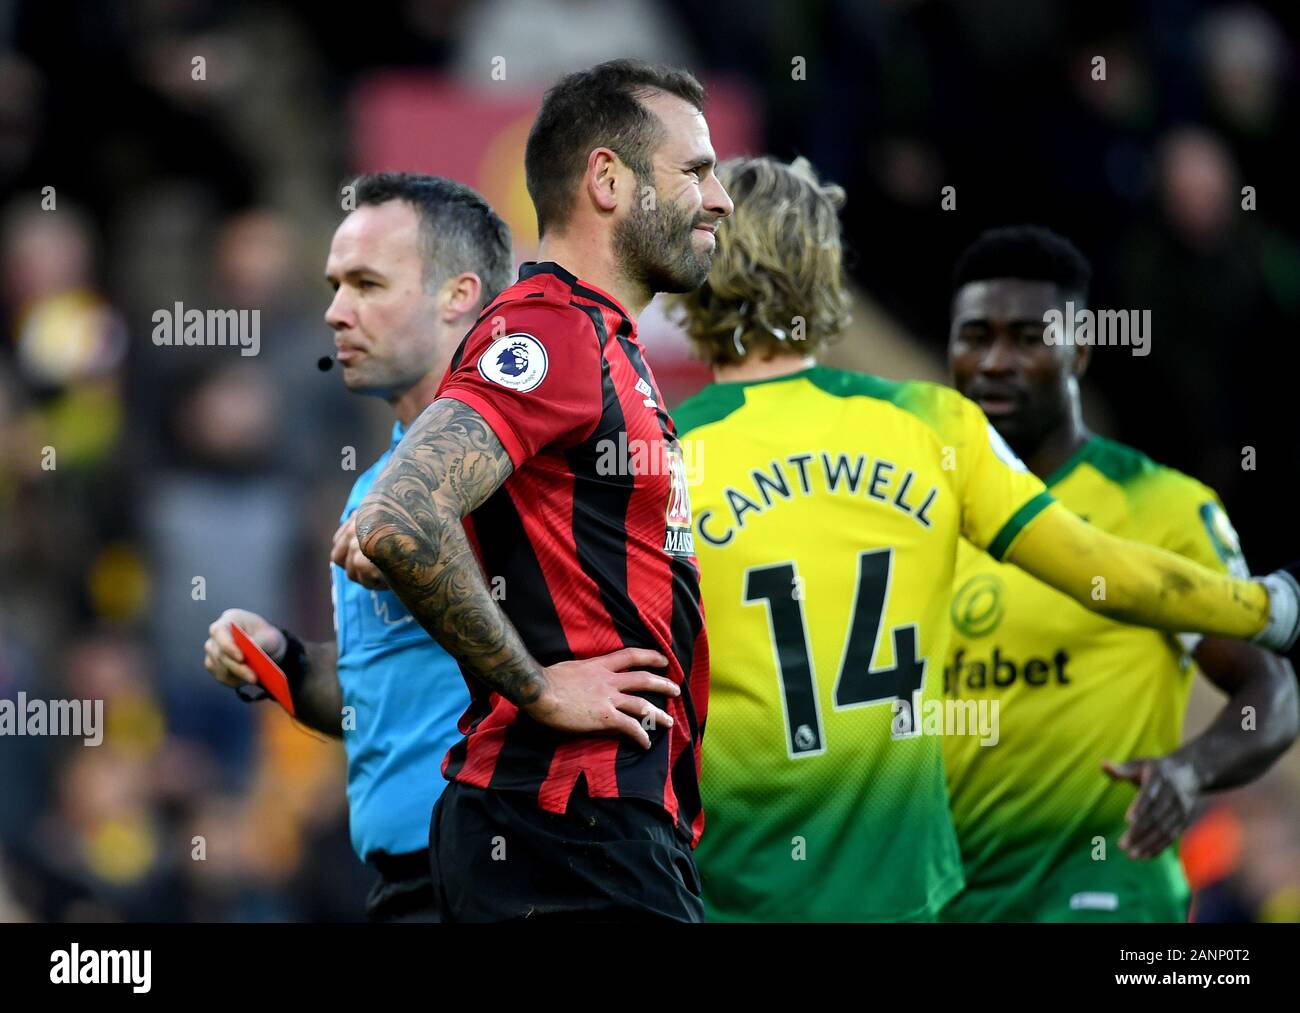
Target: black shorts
<point x="403" y="892"/>
<point x="497" y="856"/>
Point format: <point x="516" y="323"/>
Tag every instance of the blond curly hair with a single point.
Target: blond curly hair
<point x="776" y="284"/>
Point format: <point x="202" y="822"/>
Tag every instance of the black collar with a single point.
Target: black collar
<point x="534" y="267"/>
<point x="531" y="268"/>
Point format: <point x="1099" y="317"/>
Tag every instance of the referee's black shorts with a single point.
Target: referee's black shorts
<point x="403" y="892"/>
<point x="497" y="856"/>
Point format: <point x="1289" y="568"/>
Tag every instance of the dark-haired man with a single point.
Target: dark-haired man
<point x="411" y="267"/>
<point x="1042" y="828"/>
<point x="575" y="791"/>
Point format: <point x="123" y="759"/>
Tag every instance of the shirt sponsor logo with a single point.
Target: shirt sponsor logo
<point x="978" y="606"/>
<point x="517" y="361"/>
<point x="679" y="539"/>
<point x="1002" y="671"/>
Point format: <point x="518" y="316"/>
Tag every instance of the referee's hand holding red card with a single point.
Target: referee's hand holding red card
<point x="222" y="656"/>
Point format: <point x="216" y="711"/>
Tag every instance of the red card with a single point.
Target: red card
<point x="268" y="673"/>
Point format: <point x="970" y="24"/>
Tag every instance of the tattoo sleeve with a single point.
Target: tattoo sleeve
<point x="409" y="526"/>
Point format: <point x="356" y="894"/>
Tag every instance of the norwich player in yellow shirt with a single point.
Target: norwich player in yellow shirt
<point x="828" y="508"/>
<point x="1045" y="834"/>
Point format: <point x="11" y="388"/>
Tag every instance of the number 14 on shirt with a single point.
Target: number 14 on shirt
<point x="856" y="685"/>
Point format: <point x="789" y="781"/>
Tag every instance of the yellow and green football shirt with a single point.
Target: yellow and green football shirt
<point x="1038" y="820"/>
<point x="828" y="508"/>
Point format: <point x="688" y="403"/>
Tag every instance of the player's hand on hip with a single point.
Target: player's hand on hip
<point x="595" y="695"/>
<point x="346" y="552"/>
<point x="1167" y="795"/>
<point x="225" y="660"/>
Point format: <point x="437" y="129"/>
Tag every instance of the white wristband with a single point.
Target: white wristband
<point x="1283" y="626"/>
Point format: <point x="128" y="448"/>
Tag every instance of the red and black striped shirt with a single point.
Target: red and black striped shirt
<point x="591" y="534"/>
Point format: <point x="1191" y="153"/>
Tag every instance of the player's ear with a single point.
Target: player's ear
<point x="461" y="295"/>
<point x="602" y="179"/>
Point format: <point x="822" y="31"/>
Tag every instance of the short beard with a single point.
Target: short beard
<point x="654" y="249"/>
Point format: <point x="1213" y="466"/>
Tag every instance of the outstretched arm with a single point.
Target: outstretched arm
<point x="1136" y="583"/>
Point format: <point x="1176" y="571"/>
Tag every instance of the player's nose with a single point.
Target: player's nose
<point x="339" y="312"/>
<point x="999" y="357"/>
<point x="716" y="198"/>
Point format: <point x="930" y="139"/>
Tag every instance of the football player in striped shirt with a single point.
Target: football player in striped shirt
<point x="1045" y="834"/>
<point x="575" y="790"/>
<point x="828" y="515"/>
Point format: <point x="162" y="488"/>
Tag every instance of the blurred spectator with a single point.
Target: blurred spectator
<point x="524" y="43"/>
<point x="1201" y="266"/>
<point x="221" y="527"/>
<point x="1249" y="82"/>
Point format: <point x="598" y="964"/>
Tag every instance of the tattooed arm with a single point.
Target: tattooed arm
<point x="409" y="526"/>
<point x="447" y="465"/>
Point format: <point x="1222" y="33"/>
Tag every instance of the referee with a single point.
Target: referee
<point x="411" y="268"/>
